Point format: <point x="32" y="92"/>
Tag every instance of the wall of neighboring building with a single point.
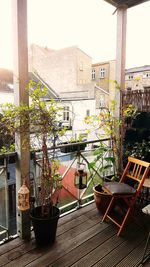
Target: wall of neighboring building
<point x="138" y="78"/>
<point x="78" y="110"/>
<point x="105" y="76"/>
<point x="83" y="68"/>
<point x="100" y="79"/>
<point x="66" y="70"/>
<point x="112" y="73"/>
<point x="6" y="97"/>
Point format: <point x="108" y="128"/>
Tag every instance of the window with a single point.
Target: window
<point x="146" y="75"/>
<point x="146" y="88"/>
<point x="81" y="66"/>
<point x="93" y="74"/>
<point x="130" y="77"/>
<point x="102" y="73"/>
<point x="102" y="101"/>
<point x="66" y="114"/>
<point x="88" y="112"/>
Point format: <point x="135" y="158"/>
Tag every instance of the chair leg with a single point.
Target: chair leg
<point x="124" y="221"/>
<point x="108" y="209"/>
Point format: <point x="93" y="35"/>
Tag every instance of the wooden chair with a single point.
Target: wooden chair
<point x="125" y="192"/>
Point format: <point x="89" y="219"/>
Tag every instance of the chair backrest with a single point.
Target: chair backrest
<point x="135" y="173"/>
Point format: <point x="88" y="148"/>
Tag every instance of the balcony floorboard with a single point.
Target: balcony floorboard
<point x="81" y="241"/>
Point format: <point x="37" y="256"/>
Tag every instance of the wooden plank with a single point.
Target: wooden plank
<point x="85" y="248"/>
<point x="99" y="252"/>
<point x="77" y="213"/>
<point x="103" y="251"/>
<point x="122" y="251"/>
<point x="134" y="257"/>
<point x="70" y="233"/>
<point x="81" y="241"/>
<point x="61" y="247"/>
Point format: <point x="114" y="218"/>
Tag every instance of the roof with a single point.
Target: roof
<point x="102" y="90"/>
<point x="129" y="3"/>
<point x="37" y="78"/>
<point x="138" y="69"/>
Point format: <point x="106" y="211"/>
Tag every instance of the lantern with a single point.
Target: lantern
<point x="23" y="198"/>
<point x="80" y="177"/>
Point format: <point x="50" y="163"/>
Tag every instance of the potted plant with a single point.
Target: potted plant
<point x="99" y="169"/>
<point x="106" y="155"/>
<point x="74" y="146"/>
<point x="40" y="118"/>
<point x="107" y="125"/>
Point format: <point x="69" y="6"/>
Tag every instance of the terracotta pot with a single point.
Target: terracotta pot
<point x="102" y="199"/>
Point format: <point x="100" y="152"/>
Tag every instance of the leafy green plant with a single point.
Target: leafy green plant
<point x="139" y="150"/>
<point x="41" y="119"/>
<point x="107" y="125"/>
<point x="102" y="163"/>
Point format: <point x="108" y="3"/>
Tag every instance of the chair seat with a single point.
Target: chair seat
<point x="119" y="188"/>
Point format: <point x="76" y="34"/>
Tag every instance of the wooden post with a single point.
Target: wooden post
<point x="20" y="73"/>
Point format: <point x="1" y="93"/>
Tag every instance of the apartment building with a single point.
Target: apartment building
<point x="67" y="71"/>
<point x="103" y="75"/>
<point x="138" y="78"/>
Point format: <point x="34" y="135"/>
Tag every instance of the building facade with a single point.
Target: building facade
<point x="67" y="71"/>
<point x="138" y="78"/>
<point x="103" y="76"/>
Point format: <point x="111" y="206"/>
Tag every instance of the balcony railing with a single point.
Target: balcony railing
<point x="138" y="98"/>
<point x="69" y="197"/>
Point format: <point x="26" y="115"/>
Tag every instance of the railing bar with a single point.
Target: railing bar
<point x="69" y="192"/>
<point x="68" y="168"/>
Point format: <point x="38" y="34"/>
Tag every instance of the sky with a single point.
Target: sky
<point x="88" y="24"/>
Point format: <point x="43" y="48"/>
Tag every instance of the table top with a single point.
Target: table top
<point x="147" y="183"/>
<point x="146" y="209"/>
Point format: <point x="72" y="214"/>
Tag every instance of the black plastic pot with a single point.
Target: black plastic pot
<point x="44" y="228"/>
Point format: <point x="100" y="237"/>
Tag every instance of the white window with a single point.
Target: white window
<point x="93" y="74"/>
<point x="102" y="73"/>
<point x="146" y="75"/>
<point x="130" y="77"/>
<point x="66" y="114"/>
<point x="102" y="101"/>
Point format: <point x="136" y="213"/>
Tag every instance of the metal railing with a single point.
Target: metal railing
<point x="70" y="196"/>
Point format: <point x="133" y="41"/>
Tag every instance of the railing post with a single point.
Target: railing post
<point x="79" y="197"/>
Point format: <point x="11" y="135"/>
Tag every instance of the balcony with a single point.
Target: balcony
<point x="70" y="197"/>
<point x="81" y="241"/>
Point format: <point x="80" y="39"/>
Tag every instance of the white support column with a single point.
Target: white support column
<point x="120" y="73"/>
<point x="19" y="8"/>
<point x="121" y="52"/>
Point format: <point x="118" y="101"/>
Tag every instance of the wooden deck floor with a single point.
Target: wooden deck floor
<point x="82" y="241"/>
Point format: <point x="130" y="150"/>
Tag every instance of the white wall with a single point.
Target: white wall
<point x="6" y="98"/>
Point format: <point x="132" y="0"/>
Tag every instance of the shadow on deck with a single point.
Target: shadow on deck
<point x="82" y="241"/>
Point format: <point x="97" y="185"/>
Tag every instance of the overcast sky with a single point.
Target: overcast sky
<point x="89" y="24"/>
